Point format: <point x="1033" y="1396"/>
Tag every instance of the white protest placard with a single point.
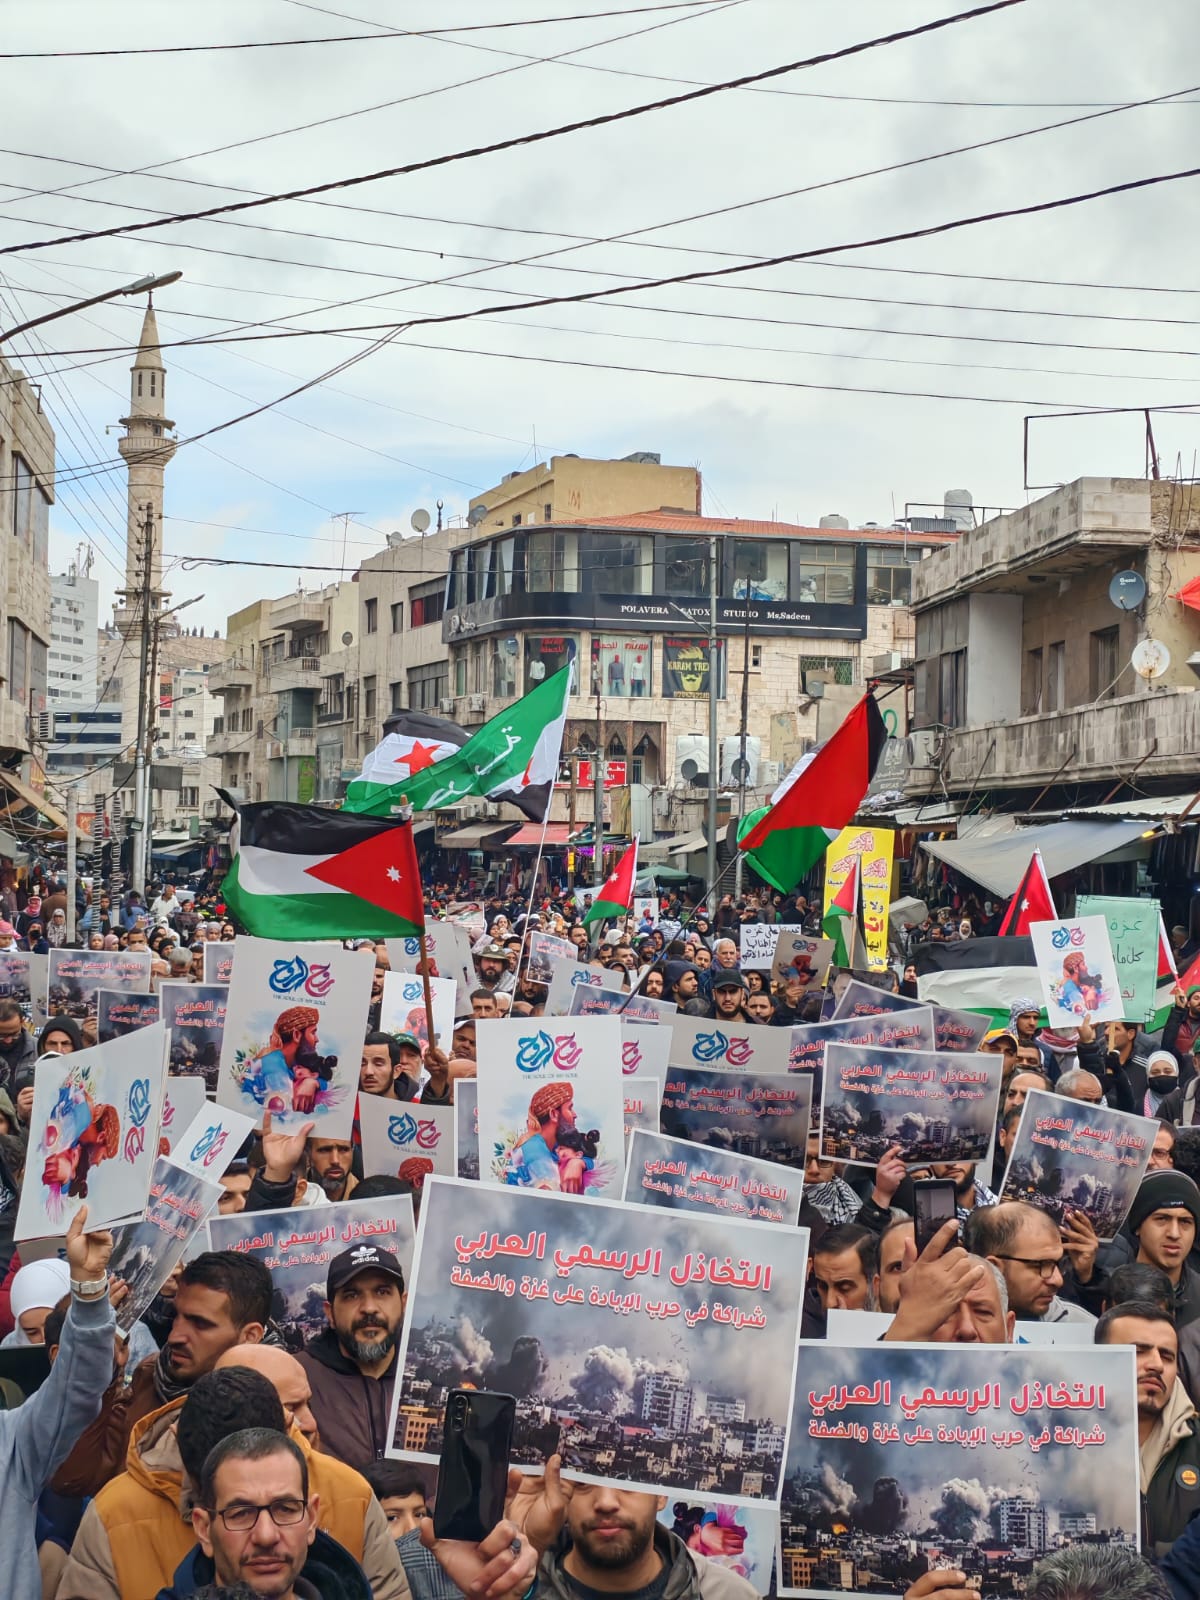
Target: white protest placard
<point x="92" y="1134"/>
<point x="756" y="950"/>
<point x="403" y="1007"/>
<point x="293" y="1034"/>
<point x="937" y="1106"/>
<point x="646" y="909"/>
<point x="218" y="960"/>
<point x="645" y="1051"/>
<point x="676" y="1175"/>
<point x="1077" y="971"/>
<point x="551" y="1113"/>
<point x="713" y="1042"/>
<point x="183" y="1099"/>
<point x="211" y="1140"/>
<point x="404" y="1139"/>
<point x="643" y="1096"/>
<point x="568" y="975"/>
<point x="448" y="947"/>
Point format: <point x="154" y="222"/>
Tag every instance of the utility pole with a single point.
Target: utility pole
<point x="714" y="755"/>
<point x="141" y="773"/>
<point x="573" y="763"/>
<point x="598" y="795"/>
<point x="151" y="730"/>
<point x="745" y="712"/>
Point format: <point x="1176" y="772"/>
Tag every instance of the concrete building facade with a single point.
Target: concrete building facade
<point x="74" y="624"/>
<point x="27" y="466"/>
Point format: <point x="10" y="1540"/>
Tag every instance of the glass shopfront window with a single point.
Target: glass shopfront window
<point x="824" y="574"/>
<point x="621" y="666"/>
<point x="759" y="569"/>
<point x="552" y="563"/>
<point x="506" y="667"/>
<point x="618" y="563"/>
<point x="685" y="568"/>
<point x="546" y="654"/>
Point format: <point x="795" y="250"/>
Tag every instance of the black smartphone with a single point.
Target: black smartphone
<point x="934" y="1205"/>
<point x="477" y="1430"/>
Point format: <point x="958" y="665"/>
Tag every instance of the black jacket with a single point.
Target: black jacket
<point x="330" y="1570"/>
<point x="1124" y="1086"/>
<point x="1170" y="1035"/>
<point x="352" y="1411"/>
<point x="1173" y="1497"/>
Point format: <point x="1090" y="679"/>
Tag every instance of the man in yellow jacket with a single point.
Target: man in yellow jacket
<point x="138" y="1528"/>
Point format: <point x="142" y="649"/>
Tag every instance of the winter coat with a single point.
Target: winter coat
<point x="330" y="1573"/>
<point x="1170" y="1475"/>
<point x="691" y="1576"/>
<point x="352" y="1411"/>
<point x="100" y="1452"/>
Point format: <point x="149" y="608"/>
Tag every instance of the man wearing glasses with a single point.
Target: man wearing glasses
<point x="1041" y="1266"/>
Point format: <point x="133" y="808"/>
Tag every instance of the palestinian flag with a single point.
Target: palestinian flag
<point x="1032" y="902"/>
<point x="815" y="801"/>
<point x="988" y="975"/>
<point x="513" y="757"/>
<point x="615" y="895"/>
<point x="1166" y="979"/>
<point x="840" y="922"/>
<point x="308" y="873"/>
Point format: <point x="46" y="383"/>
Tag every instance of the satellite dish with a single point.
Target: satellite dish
<point x="347" y="637"/>
<point x="1127" y="591"/>
<point x="476" y="515"/>
<point x="1150" y="659"/>
<point x="419" y="520"/>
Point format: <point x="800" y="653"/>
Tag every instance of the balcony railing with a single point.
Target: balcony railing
<point x="228" y="675"/>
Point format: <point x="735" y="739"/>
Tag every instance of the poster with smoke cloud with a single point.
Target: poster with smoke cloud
<point x="806" y="1048"/>
<point x="859" y="999"/>
<point x="959" y="1030"/>
<point x="23" y="979"/>
<point x="218" y="960"/>
<point x="194" y="1014"/>
<point x="551" y="1111"/>
<point x="612" y="1328"/>
<point x="544" y="950"/>
<point x="587" y="1001"/>
<point x="466" y="1127"/>
<point x="905" y="1458"/>
<point x="1071" y="1156"/>
<point x="297" y="1245"/>
<point x="764" y="1115"/>
<point x="406" y="1139"/>
<point x="733" y="1046"/>
<point x="739" y="1538"/>
<point x="118" y="1013"/>
<point x="75" y="977"/>
<point x="567" y="976"/>
<point x="145" y="1253"/>
<point x="936" y="1105"/>
<point x="642" y="1099"/>
<point x="676" y="1175"/>
<point x="645" y="1051"/>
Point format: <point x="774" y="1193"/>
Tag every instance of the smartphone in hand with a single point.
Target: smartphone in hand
<point x="477" y="1431"/>
<point x="934" y="1205"/>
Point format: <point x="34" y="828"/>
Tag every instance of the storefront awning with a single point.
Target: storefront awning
<point x="997" y="862"/>
<point x="473" y="837"/>
<point x="530" y="833"/>
<point x="687" y="844"/>
<point x="31" y="797"/>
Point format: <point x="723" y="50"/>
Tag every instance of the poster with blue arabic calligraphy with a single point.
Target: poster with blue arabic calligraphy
<point x="1071" y="1156"/>
<point x="1077" y="970"/>
<point x="903" y="1458"/>
<point x="566" y="976"/>
<point x="297" y="1245"/>
<point x="935" y="1105"/>
<point x="676" y="1175"/>
<point x="551" y="1105"/>
<point x="728" y="1046"/>
<point x="653" y="1350"/>
<point x="405" y="1139"/>
<point x="292" y="1042"/>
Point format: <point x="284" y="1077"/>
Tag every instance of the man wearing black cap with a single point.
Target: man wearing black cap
<point x="728" y="994"/>
<point x="1163" y="1219"/>
<point x="351" y="1365"/>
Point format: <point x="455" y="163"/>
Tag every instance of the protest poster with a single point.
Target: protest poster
<point x="739" y="1538"/>
<point x="297" y="1245"/>
<point x="403" y="1007"/>
<point x="75" y="976"/>
<point x="713" y="1042"/>
<point x="92" y="1134"/>
<point x="183" y="1098"/>
<point x="550" y="1104"/>
<point x="1133" y="934"/>
<point x="1071" y="1156"/>
<point x="937" y="1106"/>
<point x="568" y="975"/>
<point x="806" y="1048"/>
<point x="589" y="1002"/>
<point x="797" y="955"/>
<point x="676" y="1175"/>
<point x="980" y="1457"/>
<point x="218" y="960"/>
<point x="765" y="1115"/>
<point x="466" y="1127"/>
<point x="859" y="999"/>
<point x="448" y="950"/>
<point x="19" y="974"/>
<point x="211" y="1140"/>
<point x="644" y="1050"/>
<point x="194" y="1017"/>
<point x="1077" y="971"/>
<point x="608" y="1327"/>
<point x="292" y="1040"/>
<point x="118" y="1013"/>
<point x="756" y="946"/>
<point x="643" y="1096"/>
<point x="874" y="848"/>
<point x="543" y="950"/>
<point x="959" y="1030"/>
<point x="646" y="909"/>
<point x="404" y="1139"/>
<point x="146" y="1252"/>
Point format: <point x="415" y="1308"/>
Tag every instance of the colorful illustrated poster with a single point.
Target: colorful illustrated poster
<point x="404" y="1139"/>
<point x="194" y="1017"/>
<point x="403" y="1008"/>
<point x="646" y="909"/>
<point x="589" y="1002"/>
<point x="643" y="1096"/>
<point x="118" y="1013"/>
<point x="797" y="955"/>
<point x="543" y="950"/>
<point x="756" y="946"/>
<point x="75" y="976"/>
<point x="936" y="1106"/>
<point x="146" y="1252"/>
<point x="874" y="848"/>
<point x="218" y="960"/>
<point x="296" y="1247"/>
<point x="183" y="1099"/>
<point x="568" y="975"/>
<point x="1133" y="934"/>
<point x="448" y="948"/>
<point x="293" y="1034"/>
<point x="610" y="1327"/>
<point x="92" y="1134"/>
<point x="806" y="1049"/>
<point x="676" y="1175"/>
<point x="959" y="1030"/>
<point x="1071" y="1156"/>
<point x="739" y="1538"/>
<point x="466" y="1127"/>
<point x="765" y="1115"/>
<point x="644" y="1051"/>
<point x="551" y="1112"/>
<point x="742" y="1046"/>
<point x="1078" y="971"/>
<point x="889" y="1473"/>
<point x="20" y="971"/>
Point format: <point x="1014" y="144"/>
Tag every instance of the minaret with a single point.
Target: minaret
<point x="147" y="446"/>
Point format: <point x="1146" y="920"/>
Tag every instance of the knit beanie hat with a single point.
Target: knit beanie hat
<point x="1160" y="1189"/>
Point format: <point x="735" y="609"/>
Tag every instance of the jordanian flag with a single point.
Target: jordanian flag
<point x="308" y="873"/>
<point x="786" y="838"/>
<point x="513" y="757"/>
<point x="840" y="922"/>
<point x="615" y="895"/>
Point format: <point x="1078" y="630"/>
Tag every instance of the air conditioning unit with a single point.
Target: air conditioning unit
<point x="446" y="707"/>
<point x="732" y="771"/>
<point x="691" y="759"/>
<point x="476" y="702"/>
<point x="925" y="748"/>
<point x="491" y="811"/>
<point x="890" y="661"/>
<point x="770" y="773"/>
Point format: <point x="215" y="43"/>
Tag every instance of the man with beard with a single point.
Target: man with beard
<point x="1037" y="1261"/>
<point x="352" y="1363"/>
<point x="491" y="964"/>
<point x="969" y="1192"/>
<point x="329" y="1165"/>
<point x="16" y="1045"/>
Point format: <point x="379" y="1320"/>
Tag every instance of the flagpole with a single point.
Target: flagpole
<point x="537" y="867"/>
<point x="405" y="815"/>
<point x="699" y="909"/>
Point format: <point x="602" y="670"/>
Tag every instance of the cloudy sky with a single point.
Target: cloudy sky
<point x="440" y="413"/>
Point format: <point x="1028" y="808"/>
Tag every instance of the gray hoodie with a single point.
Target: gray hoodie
<point x="691" y="1576"/>
<point x="36" y="1438"/>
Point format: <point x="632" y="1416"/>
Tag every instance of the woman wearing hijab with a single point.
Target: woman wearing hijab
<point x="36" y="1290"/>
<point x="56" y="931"/>
<point x="111" y="942"/>
<point x="35" y="940"/>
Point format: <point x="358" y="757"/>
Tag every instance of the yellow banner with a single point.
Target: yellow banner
<point x="874" y="847"/>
